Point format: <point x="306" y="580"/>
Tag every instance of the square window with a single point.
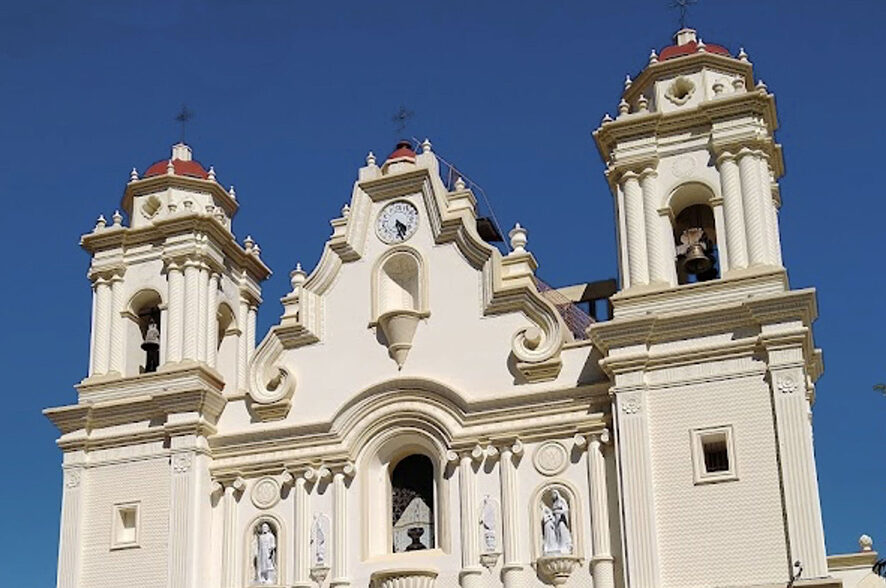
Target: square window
<point x="124" y="525"/>
<point x="713" y="455"/>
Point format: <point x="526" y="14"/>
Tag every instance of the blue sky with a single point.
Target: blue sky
<point x="289" y="97"/>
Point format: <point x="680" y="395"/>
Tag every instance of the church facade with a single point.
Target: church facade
<point x="426" y="413"/>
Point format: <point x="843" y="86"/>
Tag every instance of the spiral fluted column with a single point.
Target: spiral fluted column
<point x="102" y="336"/>
<point x="773" y="240"/>
<point x="730" y="187"/>
<point x="242" y="344"/>
<point x="655" y="244"/>
<point x="212" y="320"/>
<point x="116" y="344"/>
<point x="636" y="229"/>
<point x="752" y="199"/>
<point x="192" y="309"/>
<point x="176" y="283"/>
<point x="202" y="312"/>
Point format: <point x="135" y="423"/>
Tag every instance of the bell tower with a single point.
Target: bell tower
<point x="173" y="328"/>
<point x="710" y="352"/>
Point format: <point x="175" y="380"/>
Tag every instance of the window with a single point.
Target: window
<point x="713" y="455"/>
<point x="124" y="527"/>
<point x="412" y="504"/>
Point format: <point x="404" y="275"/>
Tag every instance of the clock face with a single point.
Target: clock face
<point x="397" y="222"/>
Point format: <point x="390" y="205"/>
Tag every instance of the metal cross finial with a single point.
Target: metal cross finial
<point x="401" y="119"/>
<point x="683" y="5"/>
<point x="183" y="117"/>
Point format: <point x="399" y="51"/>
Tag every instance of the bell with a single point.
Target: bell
<point x="696" y="260"/>
<point x="693" y="250"/>
<point x="151" y="345"/>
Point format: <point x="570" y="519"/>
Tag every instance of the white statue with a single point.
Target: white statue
<point x="556" y="534"/>
<point x="560" y="510"/>
<point x="264" y="551"/>
<point x="548" y="532"/>
<point x="318" y="541"/>
<point x="488" y="524"/>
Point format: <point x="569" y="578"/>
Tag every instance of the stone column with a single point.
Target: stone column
<point x="510" y="514"/>
<point x="719" y="225"/>
<point x="340" y="522"/>
<point x="192" y="309"/>
<point x="730" y="187"/>
<point x="117" y="325"/>
<point x="102" y="336"/>
<point x="70" y="542"/>
<point x="202" y="312"/>
<point x="174" y="325"/>
<point x="302" y="539"/>
<point x="250" y="330"/>
<point x="752" y="199"/>
<point x="471" y="572"/>
<point x="636" y="229"/>
<point x="655" y="244"/>
<point x="212" y="320"/>
<point x="243" y="346"/>
<point x="602" y="567"/>
<point x="769" y="207"/>
<point x="181" y="521"/>
<point x="635" y="464"/>
<point x="230" y="556"/>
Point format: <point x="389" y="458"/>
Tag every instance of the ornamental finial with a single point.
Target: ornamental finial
<point x="370" y="159"/>
<point x="211" y="173"/>
<point x="100" y="222"/>
<point x="607" y="118"/>
<point x="761" y="85"/>
<point x="426" y="146"/>
<point x="866" y="543"/>
<point x="519" y="238"/>
<point x="248" y="243"/>
<point x="133" y="175"/>
<point x="346" y="210"/>
<point x="170" y="168"/>
<point x="459" y="184"/>
<point x="742" y="55"/>
<point x="297" y="277"/>
<point x="117" y="218"/>
<point x="653" y="57"/>
<point x="700" y="46"/>
<point x="623" y="107"/>
<point x="628" y="81"/>
<point x="232" y="193"/>
<point x="642" y="104"/>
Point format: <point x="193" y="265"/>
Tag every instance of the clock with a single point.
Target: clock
<point x="396" y="222"/>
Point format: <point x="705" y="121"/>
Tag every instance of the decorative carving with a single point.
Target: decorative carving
<point x="787" y="385"/>
<point x="72" y="478"/>
<point x="557" y="568"/>
<point x="403" y="578"/>
<point x="264" y="555"/>
<point x="683" y="166"/>
<point x="680" y="91"/>
<point x="550" y="458"/>
<point x="631" y="405"/>
<point x="181" y="463"/>
<point x="265" y="493"/>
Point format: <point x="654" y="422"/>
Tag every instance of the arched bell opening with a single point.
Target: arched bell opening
<point x="695" y="234"/>
<point x="143" y="340"/>
<point x="227" y="336"/>
<point x="412" y="503"/>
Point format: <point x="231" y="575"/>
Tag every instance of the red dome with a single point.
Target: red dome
<point x="182" y="168"/>
<point x="689" y="48"/>
<point x="404" y="149"/>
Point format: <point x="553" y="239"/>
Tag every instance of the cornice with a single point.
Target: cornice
<point x="163" y="181"/>
<point x="181" y="224"/>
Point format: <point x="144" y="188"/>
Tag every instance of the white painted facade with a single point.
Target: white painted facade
<point x="554" y="459"/>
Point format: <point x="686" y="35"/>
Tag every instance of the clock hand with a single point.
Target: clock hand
<point x="401" y="229"/>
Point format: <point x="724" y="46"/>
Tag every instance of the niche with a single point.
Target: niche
<point x="399" y="299"/>
<point x="694" y="233"/>
<point x="263" y="554"/>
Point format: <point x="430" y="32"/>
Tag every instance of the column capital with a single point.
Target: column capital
<point x="475" y="453"/>
<point x="628" y="175"/>
<point x="107" y="274"/>
<point x="724" y="156"/>
<point x="648" y="172"/>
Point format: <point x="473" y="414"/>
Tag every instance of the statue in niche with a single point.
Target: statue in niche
<point x="318" y="540"/>
<point x="488" y="524"/>
<point x="556" y="534"/>
<point x="264" y="554"/>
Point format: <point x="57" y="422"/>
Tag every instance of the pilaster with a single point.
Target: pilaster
<point x="69" y="550"/>
<point x="242" y="340"/>
<point x="602" y="561"/>
<point x="635" y="468"/>
<point x="471" y="571"/>
<point x="510" y="519"/>
<point x="636" y="229"/>
<point x="182" y="514"/>
<point x="340" y="525"/>
<point x="233" y="489"/>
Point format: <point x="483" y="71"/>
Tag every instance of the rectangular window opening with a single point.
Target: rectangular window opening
<point x="713" y="454"/>
<point x="125" y="526"/>
<point x="716" y="455"/>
